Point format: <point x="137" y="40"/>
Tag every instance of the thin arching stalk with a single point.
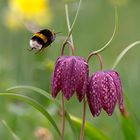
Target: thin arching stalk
<point x="83" y="120"/>
<point x="70" y="43"/>
<point x="63" y="118"/>
<point x="74" y="21"/>
<point x="99" y="58"/>
<point x="84" y="101"/>
<point x="68" y="22"/>
<point x="101" y="66"/>
<point x="112" y="37"/>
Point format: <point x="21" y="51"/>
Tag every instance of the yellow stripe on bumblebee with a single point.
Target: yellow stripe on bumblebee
<point x="43" y="37"/>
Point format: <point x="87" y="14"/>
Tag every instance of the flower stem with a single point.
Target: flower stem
<point x="68" y="23"/>
<point x="120" y="56"/>
<point x="70" y="45"/>
<point x="99" y="58"/>
<point x="84" y="101"/>
<point x="83" y="120"/>
<point x="112" y="37"/>
<point x="63" y="119"/>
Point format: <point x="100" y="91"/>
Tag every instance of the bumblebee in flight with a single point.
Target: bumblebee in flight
<point x="42" y="39"/>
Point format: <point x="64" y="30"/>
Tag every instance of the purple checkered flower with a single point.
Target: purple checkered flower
<point x="104" y="91"/>
<point x="70" y="75"/>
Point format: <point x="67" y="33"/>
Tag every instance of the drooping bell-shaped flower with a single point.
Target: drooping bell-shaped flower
<point x="70" y="75"/>
<point x="104" y="90"/>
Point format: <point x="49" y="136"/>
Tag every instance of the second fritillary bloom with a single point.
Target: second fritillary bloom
<point x="104" y="91"/>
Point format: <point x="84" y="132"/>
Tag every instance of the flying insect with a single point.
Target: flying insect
<point x="41" y="39"/>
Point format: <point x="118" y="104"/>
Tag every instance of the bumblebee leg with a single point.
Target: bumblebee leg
<point x="41" y="50"/>
<point x="30" y="49"/>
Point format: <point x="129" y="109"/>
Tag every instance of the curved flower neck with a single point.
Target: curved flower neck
<point x="99" y="58"/>
<point x="69" y="45"/>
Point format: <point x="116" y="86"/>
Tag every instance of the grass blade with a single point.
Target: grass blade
<point x="41" y="91"/>
<point x="121" y="55"/>
<point x="10" y="130"/>
<point x="128" y="129"/>
<point x="38" y="90"/>
<point x="47" y="96"/>
<point x="34" y="104"/>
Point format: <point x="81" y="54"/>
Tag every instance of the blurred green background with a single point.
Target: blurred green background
<point x="92" y="30"/>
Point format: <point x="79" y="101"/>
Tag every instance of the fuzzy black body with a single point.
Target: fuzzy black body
<point x="42" y="39"/>
<point x="49" y="35"/>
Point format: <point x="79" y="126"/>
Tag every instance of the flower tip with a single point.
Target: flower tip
<point x="80" y="99"/>
<point x="110" y="114"/>
<point x="53" y="95"/>
<point x="121" y="108"/>
<point x="67" y="96"/>
<point x="125" y="112"/>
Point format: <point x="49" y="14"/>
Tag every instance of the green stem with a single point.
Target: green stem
<point x="68" y="22"/>
<point x="112" y="37"/>
<point x="99" y="58"/>
<point x="123" y="53"/>
<point x="69" y="45"/>
<point x="63" y="119"/>
<point x="83" y="120"/>
<point x="67" y="16"/>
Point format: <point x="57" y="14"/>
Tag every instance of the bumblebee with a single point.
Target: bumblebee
<point x="42" y="39"/>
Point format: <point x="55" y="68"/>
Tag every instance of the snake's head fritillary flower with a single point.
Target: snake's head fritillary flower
<point x="70" y="75"/>
<point x="104" y="91"/>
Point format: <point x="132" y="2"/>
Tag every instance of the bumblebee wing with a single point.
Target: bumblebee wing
<point x="32" y="27"/>
<point x="60" y="39"/>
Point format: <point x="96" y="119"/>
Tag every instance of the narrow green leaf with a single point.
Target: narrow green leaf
<point x="10" y="130"/>
<point x="128" y="129"/>
<point x="131" y="108"/>
<point x="90" y="131"/>
<point x="34" y="104"/>
<point x="38" y="90"/>
<point x="41" y="91"/>
<point x="121" y="55"/>
<point x="47" y="96"/>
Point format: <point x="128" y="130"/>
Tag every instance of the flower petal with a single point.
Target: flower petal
<point x="108" y="93"/>
<point x="94" y="94"/>
<point x="56" y="78"/>
<point x="82" y="79"/>
<point x="68" y="78"/>
<point x="118" y="85"/>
